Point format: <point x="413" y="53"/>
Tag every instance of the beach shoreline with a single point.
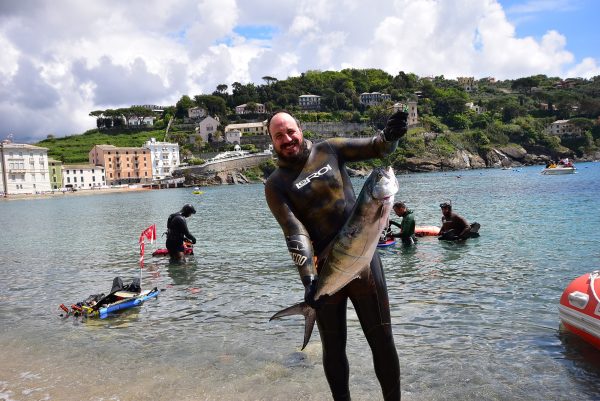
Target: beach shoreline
<point x="80" y="192"/>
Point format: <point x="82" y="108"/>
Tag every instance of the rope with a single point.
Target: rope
<point x="593" y="276"/>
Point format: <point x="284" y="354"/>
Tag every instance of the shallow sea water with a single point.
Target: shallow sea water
<point x="472" y="321"/>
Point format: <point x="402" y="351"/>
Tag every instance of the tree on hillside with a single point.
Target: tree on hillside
<point x="215" y="105"/>
<point x="525" y="84"/>
<point x="182" y="106"/>
<point x="269" y="80"/>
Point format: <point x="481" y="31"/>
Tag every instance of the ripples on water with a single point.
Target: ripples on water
<point x="472" y="321"/>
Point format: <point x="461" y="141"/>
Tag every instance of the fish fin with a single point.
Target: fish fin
<point x="310" y="316"/>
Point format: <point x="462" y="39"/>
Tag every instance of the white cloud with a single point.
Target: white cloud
<point x="63" y="59"/>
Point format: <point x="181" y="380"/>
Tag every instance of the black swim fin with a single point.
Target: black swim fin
<point x="310" y="316"/>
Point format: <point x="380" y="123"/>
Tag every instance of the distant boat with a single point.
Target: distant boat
<point x="558" y="170"/>
<point x="563" y="167"/>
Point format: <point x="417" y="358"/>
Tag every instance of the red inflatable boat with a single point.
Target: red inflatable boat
<point x="579" y="309"/>
<point x="189" y="250"/>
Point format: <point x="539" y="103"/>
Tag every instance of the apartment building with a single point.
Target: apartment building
<point x="164" y="157"/>
<point x="123" y="165"/>
<point x="83" y="176"/>
<point x="55" y="170"/>
<point x="23" y="169"/>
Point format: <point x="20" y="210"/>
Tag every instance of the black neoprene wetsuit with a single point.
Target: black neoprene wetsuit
<point x="177" y="232"/>
<point x="311" y="198"/>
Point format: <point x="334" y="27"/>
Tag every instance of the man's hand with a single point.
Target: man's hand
<point x="310" y="289"/>
<point x="193" y="239"/>
<point x="396" y="126"/>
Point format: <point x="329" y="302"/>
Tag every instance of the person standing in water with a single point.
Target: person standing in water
<point x="311" y="197"/>
<point x="407" y="226"/>
<point x="177" y="232"/>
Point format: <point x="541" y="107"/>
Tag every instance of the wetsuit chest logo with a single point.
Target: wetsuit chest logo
<point x="316" y="174"/>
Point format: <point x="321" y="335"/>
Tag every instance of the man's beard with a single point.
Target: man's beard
<point x="300" y="156"/>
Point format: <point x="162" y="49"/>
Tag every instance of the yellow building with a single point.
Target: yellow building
<point x="127" y="165"/>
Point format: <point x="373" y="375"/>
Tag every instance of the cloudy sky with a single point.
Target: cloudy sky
<point x="62" y="59"/>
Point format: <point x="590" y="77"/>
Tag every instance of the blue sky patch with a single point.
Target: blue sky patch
<point x="259" y="32"/>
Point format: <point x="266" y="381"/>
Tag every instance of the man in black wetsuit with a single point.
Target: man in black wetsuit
<point x="311" y="196"/>
<point x="177" y="232"/>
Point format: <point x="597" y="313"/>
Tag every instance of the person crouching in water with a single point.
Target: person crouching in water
<point x="454" y="226"/>
<point x="177" y="232"/>
<point x="407" y="226"/>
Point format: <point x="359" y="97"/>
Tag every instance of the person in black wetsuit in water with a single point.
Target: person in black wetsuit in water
<point x="311" y="196"/>
<point x="177" y="232"/>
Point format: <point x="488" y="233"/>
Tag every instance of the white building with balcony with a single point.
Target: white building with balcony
<point x="23" y="169"/>
<point x="164" y="158"/>
<point x="83" y="176"/>
<point x="563" y="128"/>
<point x="374" y="98"/>
<point x="245" y="109"/>
<point x="309" y="102"/>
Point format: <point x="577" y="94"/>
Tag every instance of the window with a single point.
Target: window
<point x="74" y="179"/>
<point x="80" y="171"/>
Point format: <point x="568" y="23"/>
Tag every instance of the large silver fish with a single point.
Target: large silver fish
<point x="355" y="244"/>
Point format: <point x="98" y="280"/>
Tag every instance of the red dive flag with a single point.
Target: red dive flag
<point x="150" y="234"/>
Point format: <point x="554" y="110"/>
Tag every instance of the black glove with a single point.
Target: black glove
<point x="310" y="289"/>
<point x="396" y="126"/>
<point x="193" y="240"/>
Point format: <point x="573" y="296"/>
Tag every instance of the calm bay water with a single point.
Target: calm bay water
<point x="473" y="321"/>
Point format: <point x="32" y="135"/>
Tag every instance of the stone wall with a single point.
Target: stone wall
<point x="237" y="163"/>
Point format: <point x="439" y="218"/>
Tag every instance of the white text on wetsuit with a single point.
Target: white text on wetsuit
<point x="316" y="174"/>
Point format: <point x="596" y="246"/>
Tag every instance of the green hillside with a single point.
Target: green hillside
<point x="75" y="148"/>
<point x="515" y="112"/>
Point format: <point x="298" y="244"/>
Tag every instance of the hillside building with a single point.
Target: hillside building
<point x="563" y="128"/>
<point x="253" y="128"/>
<point x="243" y="109"/>
<point x="309" y="102"/>
<point x="467" y="83"/>
<point x="413" y="115"/>
<point x="374" y="98"/>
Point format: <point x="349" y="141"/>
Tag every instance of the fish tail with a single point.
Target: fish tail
<point x="310" y="316"/>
